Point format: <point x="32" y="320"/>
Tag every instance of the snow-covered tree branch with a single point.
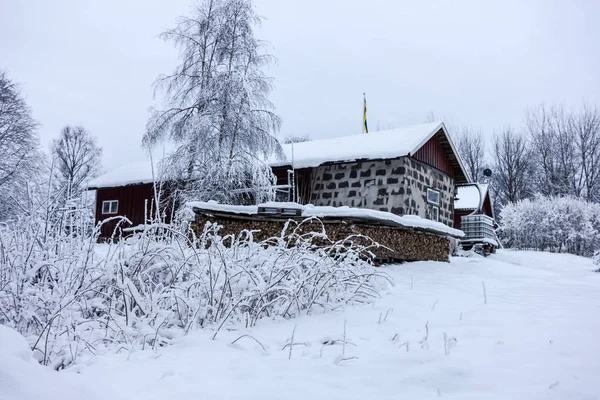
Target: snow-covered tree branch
<point x="19" y="146"/>
<point x="216" y="106"/>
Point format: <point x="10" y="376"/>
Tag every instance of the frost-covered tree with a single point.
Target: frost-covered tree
<point x="216" y="106"/>
<point x="77" y="159"/>
<point x="561" y="224"/>
<point x="296" y="139"/>
<point x="19" y="146"/>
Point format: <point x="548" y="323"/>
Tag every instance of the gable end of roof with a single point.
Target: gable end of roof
<point x="451" y="151"/>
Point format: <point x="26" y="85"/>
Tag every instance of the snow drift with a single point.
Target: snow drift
<point x="22" y="378"/>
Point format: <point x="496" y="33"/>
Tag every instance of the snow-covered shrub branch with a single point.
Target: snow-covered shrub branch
<point x="562" y="224"/>
<point x="68" y="295"/>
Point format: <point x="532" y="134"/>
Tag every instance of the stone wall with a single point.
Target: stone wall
<point x="419" y="177"/>
<point x="398" y="186"/>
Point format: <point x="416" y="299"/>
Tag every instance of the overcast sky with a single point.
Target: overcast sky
<point x="478" y="63"/>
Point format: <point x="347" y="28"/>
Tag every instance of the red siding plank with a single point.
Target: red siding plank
<point x="432" y="153"/>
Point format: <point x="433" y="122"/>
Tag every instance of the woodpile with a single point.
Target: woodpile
<point x="396" y="244"/>
<point x="406" y="244"/>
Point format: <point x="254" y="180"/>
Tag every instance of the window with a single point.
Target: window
<point x="433" y="197"/>
<point x="110" y="206"/>
<point x="435" y="213"/>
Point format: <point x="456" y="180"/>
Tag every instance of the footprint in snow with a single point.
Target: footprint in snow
<point x="167" y="374"/>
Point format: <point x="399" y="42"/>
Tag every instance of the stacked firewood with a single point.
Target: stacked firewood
<point x="406" y="244"/>
<point x="395" y="244"/>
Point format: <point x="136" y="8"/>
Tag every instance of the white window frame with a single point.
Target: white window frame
<point x="435" y="203"/>
<point x="435" y="213"/>
<point x="110" y="209"/>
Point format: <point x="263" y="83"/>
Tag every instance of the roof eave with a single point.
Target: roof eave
<point x="97" y="187"/>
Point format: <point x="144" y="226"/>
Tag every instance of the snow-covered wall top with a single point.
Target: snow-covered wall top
<point x="129" y="174"/>
<point x="409" y="221"/>
<point x="386" y="144"/>
<point x="469" y="197"/>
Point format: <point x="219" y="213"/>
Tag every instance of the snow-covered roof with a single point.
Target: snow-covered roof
<point x="469" y="197"/>
<point x="385" y="144"/>
<point x="129" y="174"/>
<point x="309" y="210"/>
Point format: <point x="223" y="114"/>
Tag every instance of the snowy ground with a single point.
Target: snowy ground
<point x="536" y="338"/>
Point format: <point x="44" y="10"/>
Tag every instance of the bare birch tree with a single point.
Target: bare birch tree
<point x="585" y="127"/>
<point x="19" y="145"/>
<point x="77" y="160"/>
<point x="512" y="167"/>
<point x="430" y="117"/>
<point x="568" y="166"/>
<point x="553" y="151"/>
<point x="565" y="150"/>
<point x="471" y="148"/>
<point x="543" y="141"/>
<point x="216" y="106"/>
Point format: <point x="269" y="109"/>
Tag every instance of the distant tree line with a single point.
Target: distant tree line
<point x="552" y="164"/>
<point x="556" y="153"/>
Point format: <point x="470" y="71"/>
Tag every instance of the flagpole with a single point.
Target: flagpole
<point x="365" y="128"/>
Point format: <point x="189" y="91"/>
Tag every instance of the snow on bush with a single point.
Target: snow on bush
<point x="67" y="294"/>
<point x="562" y="224"/>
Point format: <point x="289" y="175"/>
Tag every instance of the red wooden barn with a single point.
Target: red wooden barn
<point x="127" y="192"/>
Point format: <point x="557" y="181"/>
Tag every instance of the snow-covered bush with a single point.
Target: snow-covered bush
<point x="67" y="294"/>
<point x="562" y="224"/>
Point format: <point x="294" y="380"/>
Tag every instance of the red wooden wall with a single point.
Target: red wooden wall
<point x="432" y="153"/>
<point x="132" y="204"/>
